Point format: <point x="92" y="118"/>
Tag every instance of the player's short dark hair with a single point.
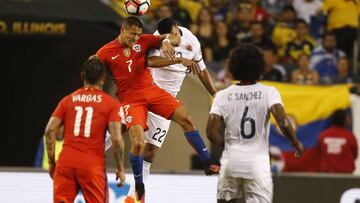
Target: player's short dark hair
<point x="93" y="70"/>
<point x="338" y="117"/>
<point x="165" y="25"/>
<point x="132" y="21"/>
<point x="246" y="63"/>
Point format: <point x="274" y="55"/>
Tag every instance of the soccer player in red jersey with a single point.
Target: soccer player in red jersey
<point x="126" y="57"/>
<point x="86" y="114"/>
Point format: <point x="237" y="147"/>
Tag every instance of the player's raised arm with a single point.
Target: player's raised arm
<point x="277" y="110"/>
<point x="52" y="127"/>
<point x="159" y="62"/>
<point x="118" y="150"/>
<point x="213" y="129"/>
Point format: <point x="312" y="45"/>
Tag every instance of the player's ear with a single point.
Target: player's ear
<point x="104" y="77"/>
<point x="82" y="75"/>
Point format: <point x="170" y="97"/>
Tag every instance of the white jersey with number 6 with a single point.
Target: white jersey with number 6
<point x="246" y="112"/>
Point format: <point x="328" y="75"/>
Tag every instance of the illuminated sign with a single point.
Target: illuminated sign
<point x="32" y="28"/>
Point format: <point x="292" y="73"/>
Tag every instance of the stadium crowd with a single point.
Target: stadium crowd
<point x="303" y="41"/>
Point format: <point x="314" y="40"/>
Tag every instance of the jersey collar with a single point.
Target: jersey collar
<point x="242" y="83"/>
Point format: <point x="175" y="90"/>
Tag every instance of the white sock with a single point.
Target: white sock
<point x="146" y="173"/>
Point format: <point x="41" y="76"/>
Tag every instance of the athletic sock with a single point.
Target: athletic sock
<point x="137" y="167"/>
<point x="198" y="144"/>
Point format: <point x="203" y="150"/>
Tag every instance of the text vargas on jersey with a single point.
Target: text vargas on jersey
<point x="87" y="98"/>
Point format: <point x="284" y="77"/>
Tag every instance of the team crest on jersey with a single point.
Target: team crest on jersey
<point x="126" y="52"/>
<point x="128" y="119"/>
<point x="137" y="48"/>
<point x="188" y="47"/>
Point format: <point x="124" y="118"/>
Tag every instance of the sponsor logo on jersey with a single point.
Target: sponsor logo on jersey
<point x="128" y="119"/>
<point x="126" y="52"/>
<point x="137" y="48"/>
<point x="114" y="57"/>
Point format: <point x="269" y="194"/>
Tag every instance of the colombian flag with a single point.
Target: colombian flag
<point x="310" y="108"/>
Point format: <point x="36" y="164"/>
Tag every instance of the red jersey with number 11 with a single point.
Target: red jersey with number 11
<point x="128" y="65"/>
<point x="86" y="114"/>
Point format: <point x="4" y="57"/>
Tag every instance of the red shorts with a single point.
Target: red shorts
<point x="156" y="100"/>
<point x="68" y="181"/>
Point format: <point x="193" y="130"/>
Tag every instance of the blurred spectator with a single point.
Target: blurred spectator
<point x="204" y="31"/>
<point x="218" y="10"/>
<point x="343" y="21"/>
<point x="163" y="11"/>
<point x="324" y="58"/>
<point x="343" y="71"/>
<point x="305" y="9"/>
<point x="273" y="71"/>
<point x="222" y="45"/>
<point x="303" y="75"/>
<point x="240" y="26"/>
<point x="284" y="31"/>
<point x="41" y="159"/>
<point x="302" y="42"/>
<point x="338" y="145"/>
<point x="258" y="37"/>
<point x="258" y="13"/>
<point x="181" y="15"/>
<point x="192" y="7"/>
<point x="274" y="7"/>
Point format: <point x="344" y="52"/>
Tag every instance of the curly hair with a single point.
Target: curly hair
<point x="246" y="63"/>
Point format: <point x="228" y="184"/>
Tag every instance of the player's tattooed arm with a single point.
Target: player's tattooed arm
<point x="118" y="150"/>
<point x="213" y="129"/>
<point x="206" y="80"/>
<point x="52" y="128"/>
<point x="286" y="128"/>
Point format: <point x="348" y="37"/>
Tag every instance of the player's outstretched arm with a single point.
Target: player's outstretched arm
<point x="52" y="127"/>
<point x="286" y="128"/>
<point x="206" y="80"/>
<point x="118" y="150"/>
<point x="213" y="129"/>
<point x="159" y="62"/>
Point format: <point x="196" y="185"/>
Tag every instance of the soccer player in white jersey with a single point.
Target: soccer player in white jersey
<point x="245" y="110"/>
<point x="170" y="78"/>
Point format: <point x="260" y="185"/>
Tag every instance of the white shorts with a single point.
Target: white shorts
<point x="254" y="190"/>
<point x="158" y="129"/>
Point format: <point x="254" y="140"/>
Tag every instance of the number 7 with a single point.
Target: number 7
<point x="129" y="64"/>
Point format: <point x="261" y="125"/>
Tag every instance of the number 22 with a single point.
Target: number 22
<point x="129" y="64"/>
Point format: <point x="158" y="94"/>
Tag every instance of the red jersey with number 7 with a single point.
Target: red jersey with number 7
<point x="86" y="114"/>
<point x="128" y="65"/>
